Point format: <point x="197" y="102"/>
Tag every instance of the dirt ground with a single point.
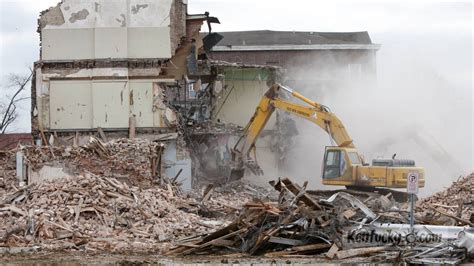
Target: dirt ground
<point x="136" y="259"/>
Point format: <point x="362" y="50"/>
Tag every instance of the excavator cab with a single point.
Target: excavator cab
<point x="338" y="164"/>
<point x="334" y="163"/>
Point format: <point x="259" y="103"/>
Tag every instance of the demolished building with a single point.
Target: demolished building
<point x="145" y="69"/>
<point x="181" y="113"/>
<point x="139" y="69"/>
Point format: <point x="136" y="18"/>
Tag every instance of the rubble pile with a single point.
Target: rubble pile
<point x="299" y="224"/>
<point x="227" y="200"/>
<point x="7" y="171"/>
<point x="452" y="206"/>
<point x="111" y="204"/>
<point x="97" y="213"/>
<point x="210" y="127"/>
<point x="123" y="159"/>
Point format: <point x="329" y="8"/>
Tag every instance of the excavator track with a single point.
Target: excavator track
<point x="398" y="196"/>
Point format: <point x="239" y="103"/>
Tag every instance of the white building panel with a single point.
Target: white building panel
<point x="111" y="43"/>
<point x="70" y="105"/>
<point x="61" y="44"/>
<point x="141" y="103"/>
<point x="111" y="104"/>
<point x="149" y="43"/>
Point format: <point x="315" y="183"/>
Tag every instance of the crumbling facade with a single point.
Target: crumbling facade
<point x="103" y="62"/>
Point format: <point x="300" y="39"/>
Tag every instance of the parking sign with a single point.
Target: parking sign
<point x="412" y="183"/>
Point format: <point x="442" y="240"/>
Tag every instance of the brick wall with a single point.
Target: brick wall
<point x="10" y="141"/>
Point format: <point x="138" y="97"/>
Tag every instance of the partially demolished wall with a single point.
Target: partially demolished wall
<point x="102" y="62"/>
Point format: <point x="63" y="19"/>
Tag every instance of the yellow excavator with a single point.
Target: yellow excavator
<point x="342" y="165"/>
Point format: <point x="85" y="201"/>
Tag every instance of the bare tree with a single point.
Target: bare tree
<point x="8" y="109"/>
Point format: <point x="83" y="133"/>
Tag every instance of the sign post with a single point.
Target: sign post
<point x="412" y="189"/>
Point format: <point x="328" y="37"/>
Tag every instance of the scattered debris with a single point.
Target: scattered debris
<point x="135" y="162"/>
<point x="106" y="206"/>
<point x="453" y="206"/>
<point x="7" y="171"/>
<point x="301" y="224"/>
<point x="98" y="213"/>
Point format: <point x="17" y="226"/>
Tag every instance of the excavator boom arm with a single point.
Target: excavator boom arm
<point x="324" y="119"/>
<point x="316" y="113"/>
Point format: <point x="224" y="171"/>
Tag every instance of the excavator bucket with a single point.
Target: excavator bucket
<point x="238" y="165"/>
<point x="236" y="174"/>
<point x="237" y="168"/>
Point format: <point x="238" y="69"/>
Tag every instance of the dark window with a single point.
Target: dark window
<point x="332" y="164"/>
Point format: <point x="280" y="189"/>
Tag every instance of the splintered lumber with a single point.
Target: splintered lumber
<point x="332" y="251"/>
<point x="13" y="230"/>
<point x="102" y="134"/>
<point x="207" y="193"/>
<point x="343" y="254"/>
<point x="263" y="227"/>
<point x="348" y="214"/>
<point x="60" y="226"/>
<point x="264" y="207"/>
<point x="297" y="191"/>
<point x="13" y="209"/>
<point x="132" y="125"/>
<point x="219" y="234"/>
<point x="99" y="147"/>
<point x="278" y="253"/>
<point x="211" y="242"/>
<point x="116" y="195"/>
<point x="311" y="247"/>
<point x="285" y="241"/>
<point x="78" y="209"/>
<point x="222" y="242"/>
<point x="9" y="198"/>
<point x="299" y="250"/>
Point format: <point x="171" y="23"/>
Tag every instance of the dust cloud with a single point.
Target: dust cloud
<point x="415" y="109"/>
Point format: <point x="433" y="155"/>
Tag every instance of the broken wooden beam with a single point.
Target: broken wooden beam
<point x="332" y="251"/>
<point x="343" y="254"/>
<point x="296" y="190"/>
